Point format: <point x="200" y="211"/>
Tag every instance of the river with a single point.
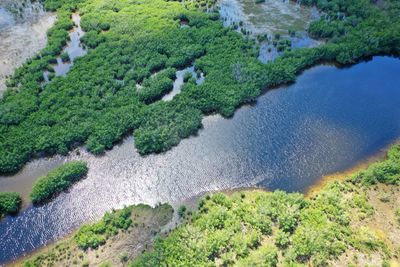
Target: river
<point x="329" y="120"/>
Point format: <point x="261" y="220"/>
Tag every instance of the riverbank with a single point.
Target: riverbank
<point x="355" y="222"/>
<point x="351" y="222"/>
<point x="118" y="249"/>
<point x="110" y="251"/>
<point x="286" y="140"/>
<point x="343" y="175"/>
<point x="287" y="145"/>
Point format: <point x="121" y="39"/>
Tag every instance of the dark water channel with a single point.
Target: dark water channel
<point x="328" y="121"/>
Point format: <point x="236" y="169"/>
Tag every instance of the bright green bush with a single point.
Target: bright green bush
<point x="95" y="235"/>
<point x="226" y="230"/>
<point x="323" y="229"/>
<point x="57" y="180"/>
<point x="266" y="256"/>
<point x="282" y="239"/>
<point x="366" y="240"/>
<point x="387" y="171"/>
<point x="9" y="203"/>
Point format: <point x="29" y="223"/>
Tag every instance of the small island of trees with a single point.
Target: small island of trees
<point x="57" y="181"/>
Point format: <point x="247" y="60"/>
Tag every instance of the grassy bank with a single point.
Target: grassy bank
<point x="120" y="236"/>
<point x="348" y="223"/>
<point x="57" y="181"/>
<point x="355" y="222"/>
<point x="99" y="102"/>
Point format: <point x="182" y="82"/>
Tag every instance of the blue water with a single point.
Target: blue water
<point x="328" y="121"/>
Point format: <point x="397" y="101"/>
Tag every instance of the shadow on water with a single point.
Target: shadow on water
<point x="329" y="120"/>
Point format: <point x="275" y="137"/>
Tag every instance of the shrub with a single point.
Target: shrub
<point x="65" y="57"/>
<point x="387" y="171"/>
<point x="182" y="211"/>
<point x="10" y="203"/>
<point x="282" y="239"/>
<point x="266" y="256"/>
<point x="155" y="87"/>
<point x="187" y="76"/>
<point x="123" y="257"/>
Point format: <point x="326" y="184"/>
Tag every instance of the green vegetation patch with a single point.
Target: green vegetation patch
<point x="57" y="180"/>
<point x="9" y="203"/>
<point x="254" y="228"/>
<point x="94" y="235"/>
<point x="387" y="171"/>
<point x="133" y="48"/>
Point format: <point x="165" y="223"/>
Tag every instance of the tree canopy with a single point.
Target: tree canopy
<point x="134" y="47"/>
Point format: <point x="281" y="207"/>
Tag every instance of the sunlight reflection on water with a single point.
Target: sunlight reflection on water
<point x="327" y="121"/>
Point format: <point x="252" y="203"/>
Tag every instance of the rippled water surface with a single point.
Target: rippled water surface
<point x="329" y="120"/>
<point x="22" y="34"/>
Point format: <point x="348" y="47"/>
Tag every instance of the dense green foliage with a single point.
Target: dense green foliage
<point x="57" y="180"/>
<point x="249" y="229"/>
<point x="94" y="235"/>
<point x="9" y="203"/>
<point x="135" y="43"/>
<point x="387" y="171"/>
